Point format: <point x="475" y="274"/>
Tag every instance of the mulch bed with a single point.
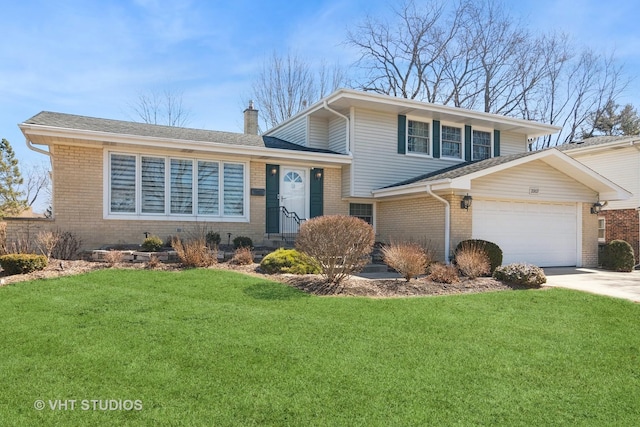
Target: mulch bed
<point x="312" y="284"/>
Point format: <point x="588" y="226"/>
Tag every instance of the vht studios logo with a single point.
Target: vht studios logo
<point x="88" y="405"/>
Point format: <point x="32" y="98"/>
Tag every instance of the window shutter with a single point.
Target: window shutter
<point x="496" y="143"/>
<point x="402" y="134"/>
<point x="316" y="187"/>
<point x="272" y="202"/>
<point x="467" y="142"/>
<point x="436" y="139"/>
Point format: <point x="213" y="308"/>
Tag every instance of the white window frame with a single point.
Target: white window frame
<point x="603" y="228"/>
<point x="167" y="215"/>
<point x="490" y="132"/>
<point x="429" y="152"/>
<point x="457" y="126"/>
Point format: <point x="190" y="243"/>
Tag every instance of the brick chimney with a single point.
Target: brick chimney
<point x="251" y="120"/>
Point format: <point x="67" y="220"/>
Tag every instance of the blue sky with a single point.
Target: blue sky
<point x="93" y="58"/>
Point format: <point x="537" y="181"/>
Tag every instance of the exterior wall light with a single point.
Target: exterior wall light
<point x="596" y="208"/>
<point x="274" y="170"/>
<point x="465" y="203"/>
<point x="318" y="175"/>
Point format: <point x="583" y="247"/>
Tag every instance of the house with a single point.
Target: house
<point x="617" y="158"/>
<point x="413" y="170"/>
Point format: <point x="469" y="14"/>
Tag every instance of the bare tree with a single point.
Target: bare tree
<point x="161" y="108"/>
<point x="473" y="54"/>
<point x="36" y="183"/>
<point x="288" y="84"/>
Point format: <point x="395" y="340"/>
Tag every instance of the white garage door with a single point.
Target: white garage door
<point x="544" y="234"/>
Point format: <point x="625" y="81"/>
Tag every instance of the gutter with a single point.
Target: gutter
<point x="36" y="149"/>
<point x="447" y="223"/>
<point x="325" y="105"/>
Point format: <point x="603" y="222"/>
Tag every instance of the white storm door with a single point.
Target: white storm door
<point x="293" y="191"/>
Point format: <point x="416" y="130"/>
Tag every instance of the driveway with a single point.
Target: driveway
<point x="596" y="281"/>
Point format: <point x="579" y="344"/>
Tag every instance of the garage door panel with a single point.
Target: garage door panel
<point x="543" y="234"/>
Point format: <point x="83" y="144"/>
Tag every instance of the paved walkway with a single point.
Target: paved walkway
<point x="596" y="281"/>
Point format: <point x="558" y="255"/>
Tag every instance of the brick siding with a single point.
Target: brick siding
<point x="622" y="224"/>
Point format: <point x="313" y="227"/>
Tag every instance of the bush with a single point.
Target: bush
<point x="340" y="243"/>
<point x="194" y="253"/>
<point x="113" y="257"/>
<point x="152" y="244"/>
<point x="213" y="239"/>
<point x="46" y="242"/>
<point x="67" y="246"/>
<point x="521" y="274"/>
<point x="289" y="261"/>
<point x="408" y="259"/>
<point x="22" y="263"/>
<point x="493" y="251"/>
<point x="441" y="273"/>
<point x="618" y="256"/>
<point x="242" y="242"/>
<point x="3" y="238"/>
<point x="472" y="261"/>
<point x="242" y="256"/>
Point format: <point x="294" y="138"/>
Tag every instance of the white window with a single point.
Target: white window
<point x="417" y="137"/>
<point x="451" y="142"/>
<point x="481" y="145"/>
<point x="152" y="187"/>
<point x="601" y="229"/>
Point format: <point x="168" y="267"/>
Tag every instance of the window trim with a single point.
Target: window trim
<point x="167" y="215"/>
<point x="604" y="229"/>
<point x="462" y="154"/>
<point x="429" y="153"/>
<point x="486" y="130"/>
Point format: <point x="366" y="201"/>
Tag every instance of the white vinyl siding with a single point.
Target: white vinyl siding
<point x="375" y="151"/>
<point x="338" y="135"/>
<point x="512" y="143"/>
<point x="152" y="187"/>
<point x="295" y="132"/>
<point x="620" y="165"/>
<point x="532" y="181"/>
<point x="318" y="133"/>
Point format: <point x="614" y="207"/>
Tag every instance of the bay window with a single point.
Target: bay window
<point x="157" y="187"/>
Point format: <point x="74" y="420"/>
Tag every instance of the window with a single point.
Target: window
<point x="601" y="230"/>
<point x="158" y="187"/>
<point x="418" y="137"/>
<point x="364" y="211"/>
<point x="451" y="142"/>
<point x="481" y="145"/>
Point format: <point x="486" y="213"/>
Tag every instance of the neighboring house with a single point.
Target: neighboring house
<point x="403" y="166"/>
<point x="617" y="158"/>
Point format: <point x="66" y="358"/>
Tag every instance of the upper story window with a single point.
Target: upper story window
<point x="451" y="142"/>
<point x="417" y="137"/>
<point x="481" y="145"/>
<point x="156" y="187"/>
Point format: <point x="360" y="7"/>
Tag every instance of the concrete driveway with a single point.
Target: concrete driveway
<point x="596" y="281"/>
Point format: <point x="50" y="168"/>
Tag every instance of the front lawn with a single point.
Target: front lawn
<point x="210" y="347"/>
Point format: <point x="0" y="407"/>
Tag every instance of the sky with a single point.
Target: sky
<point x="94" y="58"/>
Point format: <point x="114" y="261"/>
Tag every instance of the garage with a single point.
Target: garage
<point x="543" y="234"/>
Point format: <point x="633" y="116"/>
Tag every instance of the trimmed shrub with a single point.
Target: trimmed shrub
<point x="194" y="253"/>
<point x="441" y="273"/>
<point x="242" y="256"/>
<point x="340" y="243"/>
<point x="408" y="259"/>
<point x="493" y="251"/>
<point x="289" y="261"/>
<point x="213" y="239"/>
<point x="618" y="256"/>
<point x="152" y="244"/>
<point x="22" y="263"/>
<point x="521" y="274"/>
<point x="242" y="242"/>
<point x="472" y="261"/>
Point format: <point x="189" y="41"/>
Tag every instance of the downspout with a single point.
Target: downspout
<point x="447" y="223"/>
<point x="30" y="146"/>
<point x="325" y="105"/>
<point x="38" y="150"/>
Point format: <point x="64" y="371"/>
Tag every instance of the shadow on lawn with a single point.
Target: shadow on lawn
<point x="273" y="292"/>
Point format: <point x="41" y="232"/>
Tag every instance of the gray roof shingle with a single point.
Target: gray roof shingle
<point x="596" y="140"/>
<point x="120" y="127"/>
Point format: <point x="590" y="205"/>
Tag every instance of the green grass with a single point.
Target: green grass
<point x="207" y="347"/>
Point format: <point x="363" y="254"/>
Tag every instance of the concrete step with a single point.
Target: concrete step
<point x="375" y="268"/>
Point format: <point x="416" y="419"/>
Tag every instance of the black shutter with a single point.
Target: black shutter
<point x="272" y="202"/>
<point x="316" y="201"/>
<point x="402" y="134"/>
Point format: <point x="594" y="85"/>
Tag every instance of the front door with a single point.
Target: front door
<point x="293" y="191"/>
